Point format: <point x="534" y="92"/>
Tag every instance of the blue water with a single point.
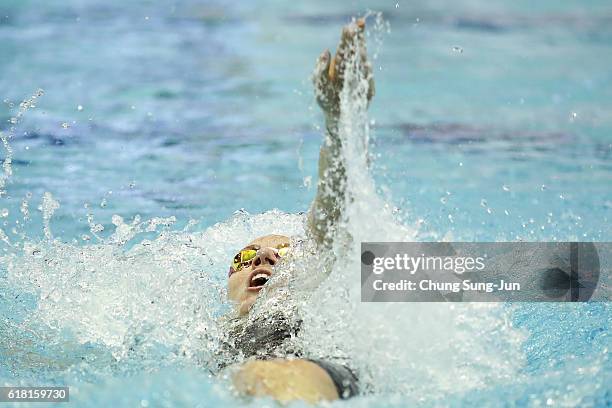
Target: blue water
<point x="491" y="122"/>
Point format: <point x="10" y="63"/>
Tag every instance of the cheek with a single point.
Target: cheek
<point x="236" y="286"/>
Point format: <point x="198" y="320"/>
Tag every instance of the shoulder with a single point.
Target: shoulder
<point x="344" y="379"/>
<point x="285" y="380"/>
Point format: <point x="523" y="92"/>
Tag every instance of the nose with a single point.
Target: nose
<point x="265" y="256"/>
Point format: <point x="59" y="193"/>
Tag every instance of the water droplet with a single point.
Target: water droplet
<point x="396" y="5"/>
<point x="544" y="187"/>
<point x="505" y="188"/>
<point x="443" y="200"/>
<point x="96" y="228"/>
<point x="489" y="211"/>
<point x="103" y="203"/>
<point x="65" y="125"/>
<point x="4" y="212"/>
<point x="483" y="202"/>
<point x="80" y="108"/>
<point x="573" y="116"/>
<point x="457" y="49"/>
<point x="450" y="218"/>
<point x="307" y="182"/>
<point x="506" y="212"/>
<point x="117" y="220"/>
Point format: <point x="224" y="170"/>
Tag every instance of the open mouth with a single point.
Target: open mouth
<point x="259" y="277"/>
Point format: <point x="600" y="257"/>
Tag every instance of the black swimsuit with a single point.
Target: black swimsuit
<point x="266" y="338"/>
<point x="345" y="381"/>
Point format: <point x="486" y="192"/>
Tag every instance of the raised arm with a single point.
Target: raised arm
<point x="329" y="80"/>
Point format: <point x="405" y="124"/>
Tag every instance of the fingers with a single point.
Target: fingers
<point x="361" y="23"/>
<point x="328" y="76"/>
<point x="332" y="69"/>
<point x="346" y="47"/>
<point x="352" y="40"/>
<point x="322" y="67"/>
<point x="363" y="55"/>
<point x="323" y="85"/>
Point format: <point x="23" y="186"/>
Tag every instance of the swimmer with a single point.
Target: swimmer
<point x="293" y="377"/>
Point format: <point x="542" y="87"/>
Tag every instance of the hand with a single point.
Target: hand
<point x="330" y="71"/>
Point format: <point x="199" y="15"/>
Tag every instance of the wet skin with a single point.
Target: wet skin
<point x="243" y="286"/>
<point x="285" y="380"/>
<point x="289" y="379"/>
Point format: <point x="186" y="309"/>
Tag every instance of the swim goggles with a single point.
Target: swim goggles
<point x="244" y="257"/>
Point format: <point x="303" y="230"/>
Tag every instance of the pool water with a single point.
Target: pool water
<point x="168" y="134"/>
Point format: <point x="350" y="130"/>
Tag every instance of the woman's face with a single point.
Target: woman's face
<point x="252" y="267"/>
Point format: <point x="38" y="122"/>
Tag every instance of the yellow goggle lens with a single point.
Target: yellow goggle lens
<point x="245" y="256"/>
